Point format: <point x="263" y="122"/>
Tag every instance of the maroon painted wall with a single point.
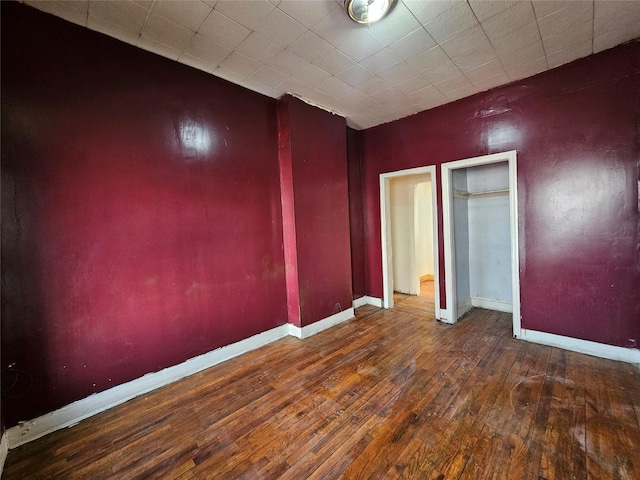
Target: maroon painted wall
<point x="576" y="130"/>
<point x="356" y="215"/>
<point x="319" y="189"/>
<point x="141" y="216"/>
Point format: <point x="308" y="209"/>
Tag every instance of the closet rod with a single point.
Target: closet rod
<point x="489" y="193"/>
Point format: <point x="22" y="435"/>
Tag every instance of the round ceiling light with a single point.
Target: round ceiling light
<point x="367" y="11"/>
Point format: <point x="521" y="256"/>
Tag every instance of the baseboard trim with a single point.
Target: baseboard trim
<point x="611" y="352"/>
<point x="4" y="450"/>
<point x="359" y="302"/>
<point x="426" y="278"/>
<point x="492" y="304"/>
<point x="77" y="411"/>
<point x="464" y="307"/>
<point x="319" y="326"/>
<point x="376" y="302"/>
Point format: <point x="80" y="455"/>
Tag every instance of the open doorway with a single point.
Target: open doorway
<point x="481" y="236"/>
<point x="409" y="234"/>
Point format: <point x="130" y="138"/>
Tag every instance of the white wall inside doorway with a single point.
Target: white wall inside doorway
<point x="388" y="255"/>
<point x="407" y="236"/>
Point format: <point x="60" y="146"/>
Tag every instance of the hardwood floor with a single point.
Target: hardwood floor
<point x="390" y="394"/>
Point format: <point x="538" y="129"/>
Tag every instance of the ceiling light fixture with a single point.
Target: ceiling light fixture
<point x="367" y="11"/>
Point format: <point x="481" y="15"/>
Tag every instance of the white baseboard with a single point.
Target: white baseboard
<point x="4" y="450"/>
<point x="492" y="304"/>
<point x="359" y="302"/>
<point x="464" y="307"/>
<point x="77" y="411"/>
<point x="99" y="402"/>
<point x="376" y="302"/>
<point x="629" y="355"/>
<point x="366" y="300"/>
<point x="321" y="325"/>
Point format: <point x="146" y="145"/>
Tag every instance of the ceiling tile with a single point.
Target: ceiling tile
<point x="615" y="22"/>
<point x="196" y="62"/>
<point x="229" y="75"/>
<point x="465" y="91"/>
<point x="159" y="48"/>
<point x="381" y="61"/>
<point x="262" y="44"/>
<point x="310" y="46"/>
<point x="306" y="12"/>
<point x="223" y="30"/>
<point x="394" y="98"/>
<point x="206" y="49"/>
<point x="413" y="84"/>
<point x="362" y="45"/>
<point x="523" y="55"/>
<point x="485" y="9"/>
<point x="430" y="95"/>
<point x="280" y="28"/>
<point x="311" y="75"/>
<point x="336" y="28"/>
<point x="509" y="20"/>
<point x="399" y="73"/>
<point x="332" y="86"/>
<point x="452" y="22"/>
<point x="488" y="83"/>
<point x="356" y="101"/>
<point x="258" y="48"/>
<point x="238" y="63"/>
<point x="75" y="12"/>
<point x="189" y="14"/>
<point x="452" y="84"/>
<point x="520" y="38"/>
<point x="334" y="62"/>
<point x="475" y="59"/>
<point x="373" y="85"/>
<point x="563" y="19"/>
<point x="547" y="7"/>
<point x="431" y="58"/>
<point x="576" y="34"/>
<point x="487" y="70"/>
<point x="425" y="11"/>
<point x="288" y="63"/>
<point x="518" y="72"/>
<point x="413" y="44"/>
<point x="260" y="88"/>
<point x="465" y="42"/>
<point x="570" y="54"/>
<point x="127" y="15"/>
<point x="398" y="23"/>
<point x="248" y="12"/>
<point x="116" y="31"/>
<point x="269" y="77"/>
<point x="442" y="73"/>
<point x="165" y="31"/>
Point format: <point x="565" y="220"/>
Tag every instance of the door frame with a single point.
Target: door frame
<point x="385" y="231"/>
<point x="450" y="314"/>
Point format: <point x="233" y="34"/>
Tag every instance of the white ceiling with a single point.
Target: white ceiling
<point x="423" y="54"/>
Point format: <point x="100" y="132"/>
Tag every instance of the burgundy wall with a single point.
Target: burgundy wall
<point x="319" y="189"/>
<point x="141" y="216"/>
<point x="356" y="218"/>
<point x="576" y="132"/>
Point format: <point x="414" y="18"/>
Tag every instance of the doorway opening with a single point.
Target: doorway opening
<point x="480" y="217"/>
<point x="408" y="212"/>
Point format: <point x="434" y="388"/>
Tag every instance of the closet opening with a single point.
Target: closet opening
<point x="481" y="236"/>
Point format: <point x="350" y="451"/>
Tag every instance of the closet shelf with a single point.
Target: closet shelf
<point x="489" y="193"/>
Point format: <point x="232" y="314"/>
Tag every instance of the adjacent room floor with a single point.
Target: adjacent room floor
<point x="389" y="394"/>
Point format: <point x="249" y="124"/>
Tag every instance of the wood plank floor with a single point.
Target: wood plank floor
<point x="389" y="394"/>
